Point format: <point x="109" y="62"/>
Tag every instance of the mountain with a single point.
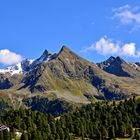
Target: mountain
<point x="62" y="76"/>
<point x="119" y="67"/>
<point x="73" y="78"/>
<point x="114" y="66"/>
<point x="65" y="77"/>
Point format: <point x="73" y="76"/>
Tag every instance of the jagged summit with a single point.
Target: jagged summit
<point x="111" y="61"/>
<point x="119" y="67"/>
<point x="111" y="58"/>
<point x="116" y="66"/>
<point x="121" y="60"/>
<point x="46" y="53"/>
<point x="66" y="53"/>
<point x="45" y="56"/>
<point x="64" y="47"/>
<point x="114" y="59"/>
<point x="64" y="50"/>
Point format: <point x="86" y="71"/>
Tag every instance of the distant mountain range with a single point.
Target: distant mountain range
<point x="69" y="77"/>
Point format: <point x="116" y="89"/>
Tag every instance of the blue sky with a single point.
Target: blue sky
<point x="27" y="27"/>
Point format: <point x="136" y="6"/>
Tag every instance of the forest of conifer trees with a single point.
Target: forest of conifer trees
<point x="97" y="121"/>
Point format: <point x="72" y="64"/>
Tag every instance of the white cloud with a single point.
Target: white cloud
<point x="129" y="49"/>
<point x="106" y="46"/>
<point x="128" y="15"/>
<point x="9" y="58"/>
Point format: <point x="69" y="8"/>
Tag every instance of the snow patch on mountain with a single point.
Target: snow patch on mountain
<point x="19" y="68"/>
<point x="27" y="64"/>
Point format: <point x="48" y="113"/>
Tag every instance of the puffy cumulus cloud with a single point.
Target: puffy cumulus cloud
<point x="9" y="58"/>
<point x="128" y="15"/>
<point x="129" y="49"/>
<point x="106" y="46"/>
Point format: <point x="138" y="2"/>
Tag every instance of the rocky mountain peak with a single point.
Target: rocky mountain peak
<point x="113" y="59"/>
<point x="45" y="56"/>
<point x="66" y="53"/>
<point x="64" y="50"/>
<point x="119" y="59"/>
<point x="116" y="66"/>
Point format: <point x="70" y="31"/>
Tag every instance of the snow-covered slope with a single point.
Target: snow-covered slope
<point x="26" y="65"/>
<point x="19" y="68"/>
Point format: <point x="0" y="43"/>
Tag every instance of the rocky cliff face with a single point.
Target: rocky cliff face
<point x="5" y="82"/>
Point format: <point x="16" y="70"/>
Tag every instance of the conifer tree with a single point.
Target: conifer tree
<point x="57" y="137"/>
<point x="104" y="132"/>
<point x="24" y="136"/>
<point x="122" y="130"/>
<point x="1" y="135"/>
<point x="111" y="132"/>
<point x="6" y="135"/>
<point x="129" y="130"/>
<point x="61" y="134"/>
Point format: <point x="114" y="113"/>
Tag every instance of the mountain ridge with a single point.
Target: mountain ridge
<point x="68" y="76"/>
<point x="46" y="56"/>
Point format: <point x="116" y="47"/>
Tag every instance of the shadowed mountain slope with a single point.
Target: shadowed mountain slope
<point x="119" y="67"/>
